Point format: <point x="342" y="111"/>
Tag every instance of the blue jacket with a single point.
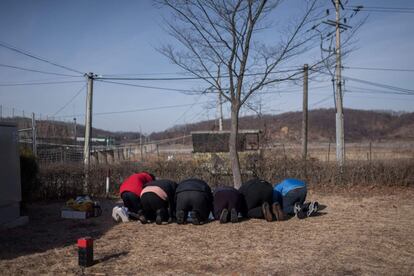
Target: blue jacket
<point x="285" y="187"/>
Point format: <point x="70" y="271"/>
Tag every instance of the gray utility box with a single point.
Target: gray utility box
<point x="10" y="187"/>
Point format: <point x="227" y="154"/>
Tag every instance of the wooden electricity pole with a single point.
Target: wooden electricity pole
<point x="88" y="130"/>
<point x="340" y="143"/>
<point x="75" y="134"/>
<point x="34" y="136"/>
<point x="305" y="113"/>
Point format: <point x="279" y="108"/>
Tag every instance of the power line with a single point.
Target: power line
<point x="399" y="89"/>
<point x="185" y="112"/>
<point x="320" y="101"/>
<point x="71" y="99"/>
<point x="37" y="83"/>
<point x="26" y="53"/>
<point x="36" y="71"/>
<point x="373" y="91"/>
<point x="379" y="69"/>
<point x="189" y="78"/>
<point x="154" y="87"/>
<point x="390" y="8"/>
<point x="134" y="110"/>
<point x="381" y="10"/>
<point x="386" y="86"/>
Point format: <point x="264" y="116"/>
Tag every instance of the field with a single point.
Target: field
<point x="359" y="232"/>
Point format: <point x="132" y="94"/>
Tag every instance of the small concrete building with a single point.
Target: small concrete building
<point x="10" y="186"/>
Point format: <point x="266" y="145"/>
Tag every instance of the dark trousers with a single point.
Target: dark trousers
<point x="293" y="196"/>
<point x="227" y="199"/>
<point x="151" y="203"/>
<point x="131" y="201"/>
<point x="255" y="195"/>
<point x="194" y="201"/>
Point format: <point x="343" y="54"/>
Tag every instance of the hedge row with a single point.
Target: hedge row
<point x="63" y="181"/>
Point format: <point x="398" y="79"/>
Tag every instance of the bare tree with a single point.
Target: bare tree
<point x="218" y="43"/>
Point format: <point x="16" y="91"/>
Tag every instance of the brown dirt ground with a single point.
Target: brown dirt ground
<point x="369" y="234"/>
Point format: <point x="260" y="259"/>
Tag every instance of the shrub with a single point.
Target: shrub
<point x="28" y="174"/>
<point x="63" y="180"/>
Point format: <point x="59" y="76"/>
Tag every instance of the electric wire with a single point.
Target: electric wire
<point x="38" y="83"/>
<point x="378" y="69"/>
<point x="70" y="100"/>
<point x="26" y="53"/>
<point x="35" y="70"/>
<point x="133" y="110"/>
<point x="155" y="87"/>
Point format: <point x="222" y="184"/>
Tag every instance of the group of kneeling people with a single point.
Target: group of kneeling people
<point x="164" y="201"/>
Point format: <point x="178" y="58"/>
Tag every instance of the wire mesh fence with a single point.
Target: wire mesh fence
<point x="58" y="142"/>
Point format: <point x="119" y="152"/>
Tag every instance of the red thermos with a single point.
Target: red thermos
<point x="85" y="251"/>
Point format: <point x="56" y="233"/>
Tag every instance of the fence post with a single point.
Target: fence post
<point x="108" y="175"/>
<point x="34" y="136"/>
<point x="329" y="150"/>
<point x="370" y="151"/>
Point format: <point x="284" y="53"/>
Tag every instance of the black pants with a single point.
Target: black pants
<point x="194" y="201"/>
<point x="256" y="192"/>
<point x="293" y="196"/>
<point x="227" y="199"/>
<point x="131" y="201"/>
<point x="151" y="203"/>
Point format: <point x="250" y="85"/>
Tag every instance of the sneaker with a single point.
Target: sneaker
<point x="115" y="214"/>
<point x="277" y="211"/>
<point x="224" y="216"/>
<point x="133" y="216"/>
<point x="195" y="218"/>
<point x="123" y="214"/>
<point x="313" y="208"/>
<point x="181" y="217"/>
<point x="234" y="216"/>
<point x="266" y="212"/>
<point x="161" y="217"/>
<point x="297" y="208"/>
<point x="141" y="217"/>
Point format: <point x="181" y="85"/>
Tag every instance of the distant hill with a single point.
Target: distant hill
<point x="360" y="125"/>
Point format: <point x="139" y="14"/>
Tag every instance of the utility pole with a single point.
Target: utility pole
<point x="305" y="113"/>
<point x="140" y="143"/>
<point x="88" y="130"/>
<point x="340" y="143"/>
<point x="75" y="134"/>
<point x="34" y="136"/>
<point x="220" y="102"/>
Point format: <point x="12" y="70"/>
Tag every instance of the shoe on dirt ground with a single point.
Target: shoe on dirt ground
<point x="195" y="217"/>
<point x="115" y="215"/>
<point x="181" y="217"/>
<point x="297" y="208"/>
<point x="313" y="208"/>
<point x="161" y="217"/>
<point x="141" y="217"/>
<point x="277" y="211"/>
<point x="266" y="212"/>
<point x="234" y="216"/>
<point x="120" y="214"/>
<point x="224" y="216"/>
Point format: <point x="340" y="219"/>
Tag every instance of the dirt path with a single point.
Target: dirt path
<point x="353" y="236"/>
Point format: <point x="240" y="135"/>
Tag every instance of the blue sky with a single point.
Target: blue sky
<point x="121" y="37"/>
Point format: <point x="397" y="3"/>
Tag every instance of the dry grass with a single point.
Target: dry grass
<point x="366" y="234"/>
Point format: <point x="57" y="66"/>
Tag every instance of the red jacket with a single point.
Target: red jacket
<point x="135" y="183"/>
